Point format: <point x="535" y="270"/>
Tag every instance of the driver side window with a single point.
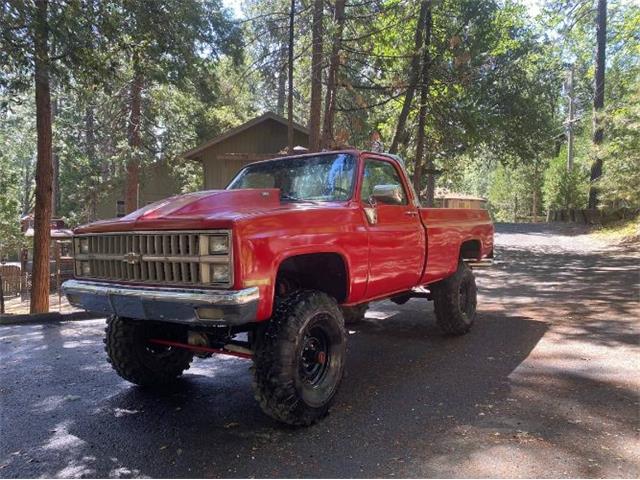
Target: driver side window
<point x="378" y="172"/>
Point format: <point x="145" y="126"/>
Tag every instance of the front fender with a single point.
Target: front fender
<point x="263" y="244"/>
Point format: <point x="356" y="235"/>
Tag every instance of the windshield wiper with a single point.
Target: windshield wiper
<point x="291" y="198"/>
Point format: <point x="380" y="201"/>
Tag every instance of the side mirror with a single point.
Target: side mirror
<point x="388" y="194"/>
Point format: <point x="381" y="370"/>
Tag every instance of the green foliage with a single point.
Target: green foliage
<point x="620" y="184"/>
<point x="514" y="192"/>
<point x="564" y="189"/>
<point x="180" y="47"/>
<point x="495" y="110"/>
<point x="17" y="164"/>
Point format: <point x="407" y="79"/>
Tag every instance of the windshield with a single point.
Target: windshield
<point x="321" y="178"/>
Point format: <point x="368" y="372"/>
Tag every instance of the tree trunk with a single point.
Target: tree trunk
<point x="132" y="182"/>
<point x="332" y="77"/>
<point x="55" y="160"/>
<point x="290" y="78"/>
<point x="422" y="116"/>
<point x="598" y="99"/>
<point x="535" y="192"/>
<point x="315" y="109"/>
<point x="1" y="295"/>
<point x="570" y="121"/>
<point x="90" y="150"/>
<point x="414" y="75"/>
<point x="27" y="194"/>
<point x="55" y="185"/>
<point x="44" y="168"/>
<point x="282" y="81"/>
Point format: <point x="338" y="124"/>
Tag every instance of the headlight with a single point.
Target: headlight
<point x="220" y="273"/>
<point x="218" y="244"/>
<point x="84" y="245"/>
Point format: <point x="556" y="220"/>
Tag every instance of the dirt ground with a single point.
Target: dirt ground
<point x="546" y="385"/>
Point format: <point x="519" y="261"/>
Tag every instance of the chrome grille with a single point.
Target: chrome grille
<point x="174" y="258"/>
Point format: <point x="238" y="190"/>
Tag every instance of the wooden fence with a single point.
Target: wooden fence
<point x="11" y="280"/>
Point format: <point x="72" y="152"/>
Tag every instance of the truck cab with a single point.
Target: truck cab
<point x="292" y="249"/>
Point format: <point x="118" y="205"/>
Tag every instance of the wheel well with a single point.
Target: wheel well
<point x="325" y="272"/>
<point x="470" y="249"/>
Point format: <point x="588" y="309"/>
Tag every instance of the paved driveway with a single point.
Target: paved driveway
<point x="545" y="385"/>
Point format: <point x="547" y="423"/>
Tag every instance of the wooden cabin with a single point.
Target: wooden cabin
<point x="447" y="199"/>
<point x="221" y="157"/>
<point x="156" y="183"/>
<point x="258" y="139"/>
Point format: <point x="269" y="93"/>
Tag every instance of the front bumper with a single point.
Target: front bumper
<point x="178" y="305"/>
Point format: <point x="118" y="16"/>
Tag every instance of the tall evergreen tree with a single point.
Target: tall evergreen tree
<point x="30" y="33"/>
<point x="598" y="98"/>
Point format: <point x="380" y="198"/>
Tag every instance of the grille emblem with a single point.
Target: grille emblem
<point x="132" y="258"/>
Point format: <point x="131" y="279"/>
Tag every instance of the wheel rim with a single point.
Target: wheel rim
<point x="315" y="356"/>
<point x="466" y="300"/>
<point x="153" y="350"/>
<point x="159" y="351"/>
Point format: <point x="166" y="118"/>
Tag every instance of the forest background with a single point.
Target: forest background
<point x="535" y="109"/>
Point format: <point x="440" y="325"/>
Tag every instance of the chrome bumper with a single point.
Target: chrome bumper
<point x="179" y="305"/>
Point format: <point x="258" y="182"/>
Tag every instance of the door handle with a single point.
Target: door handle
<point x="411" y="213"/>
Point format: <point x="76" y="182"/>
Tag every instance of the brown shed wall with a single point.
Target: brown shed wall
<point x="268" y="137"/>
<point x="157" y="182"/>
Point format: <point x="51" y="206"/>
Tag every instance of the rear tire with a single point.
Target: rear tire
<point x="455" y="300"/>
<point x="299" y="358"/>
<point x="138" y="361"/>
<point x="354" y="314"/>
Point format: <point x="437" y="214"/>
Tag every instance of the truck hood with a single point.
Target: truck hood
<point x="199" y="210"/>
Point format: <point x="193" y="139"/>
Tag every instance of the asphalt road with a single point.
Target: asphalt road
<point x="545" y="385"/>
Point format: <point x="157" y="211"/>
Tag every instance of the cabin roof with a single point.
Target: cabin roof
<point x="193" y="153"/>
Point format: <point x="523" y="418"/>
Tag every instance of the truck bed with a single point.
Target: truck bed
<point x="449" y="230"/>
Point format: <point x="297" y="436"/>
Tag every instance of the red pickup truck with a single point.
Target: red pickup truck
<point x="271" y="269"/>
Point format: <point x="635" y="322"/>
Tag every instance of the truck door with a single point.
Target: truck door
<point x="396" y="235"/>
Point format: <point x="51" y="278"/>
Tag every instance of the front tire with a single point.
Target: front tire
<point x="138" y="361"/>
<point x="299" y="358"/>
<point x="455" y="300"/>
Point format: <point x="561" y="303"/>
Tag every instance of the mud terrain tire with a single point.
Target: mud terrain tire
<point x="139" y="362"/>
<point x="454" y="300"/>
<point x="299" y="358"/>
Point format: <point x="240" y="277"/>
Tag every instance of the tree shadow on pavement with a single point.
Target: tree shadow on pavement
<point x="519" y="396"/>
<point x="403" y="384"/>
<point x="596" y="295"/>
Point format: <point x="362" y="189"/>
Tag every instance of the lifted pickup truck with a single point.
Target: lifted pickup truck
<point x="271" y="269"/>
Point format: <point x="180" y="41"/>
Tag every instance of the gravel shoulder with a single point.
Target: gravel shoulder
<point x="545" y="385"/>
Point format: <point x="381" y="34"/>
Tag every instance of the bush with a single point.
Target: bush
<point x="563" y="189"/>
